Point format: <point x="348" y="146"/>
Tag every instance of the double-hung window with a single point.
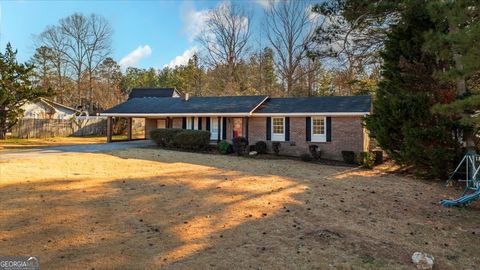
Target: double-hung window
<point x="278" y="128"/>
<point x="192" y="123"/>
<point x="189" y="123"/>
<point x="318" y="129"/>
<point x="214" y="128"/>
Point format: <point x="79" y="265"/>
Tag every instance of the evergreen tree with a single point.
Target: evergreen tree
<point x="42" y="60"/>
<point x="267" y="66"/>
<point x="455" y="42"/>
<point x="15" y="89"/>
<point x="402" y="122"/>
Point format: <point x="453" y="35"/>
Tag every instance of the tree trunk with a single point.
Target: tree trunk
<point x="60" y="84"/>
<point x="90" y="93"/>
<point x="3" y="125"/>
<point x="78" y="90"/>
<point x="289" y="85"/>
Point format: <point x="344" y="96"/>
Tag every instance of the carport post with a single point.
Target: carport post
<point x="129" y="128"/>
<point x="109" y="129"/>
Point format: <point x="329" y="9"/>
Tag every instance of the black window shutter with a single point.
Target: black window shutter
<point x="207" y="124"/>
<point x="184" y="123"/>
<point x="329" y="129"/>
<point x="199" y="123"/>
<point x="193" y="123"/>
<point x="224" y="128"/>
<point x="308" y="129"/>
<point x="218" y="133"/>
<point x="246" y="128"/>
<point x="269" y="128"/>
<point x="287" y="129"/>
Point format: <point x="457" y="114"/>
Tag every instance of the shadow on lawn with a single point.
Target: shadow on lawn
<point x="174" y="219"/>
<point x="134" y="223"/>
<point x="224" y="213"/>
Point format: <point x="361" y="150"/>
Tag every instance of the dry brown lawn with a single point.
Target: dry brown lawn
<point x="151" y="208"/>
<point x="55" y="141"/>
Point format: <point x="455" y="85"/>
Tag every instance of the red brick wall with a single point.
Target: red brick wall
<point x="347" y="134"/>
<point x="177" y="122"/>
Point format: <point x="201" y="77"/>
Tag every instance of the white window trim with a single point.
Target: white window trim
<point x="189" y="123"/>
<point x="318" y="137"/>
<point x="195" y="123"/>
<point x="277" y="137"/>
<point x="214" y="121"/>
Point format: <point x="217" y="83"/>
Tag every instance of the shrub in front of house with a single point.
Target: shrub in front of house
<point x="240" y="145"/>
<point x="225" y="147"/>
<point x="192" y="139"/>
<point x="316" y="154"/>
<point x="348" y="157"/>
<point x="306" y="157"/>
<point x="366" y="159"/>
<point x="378" y="157"/>
<point x="164" y="136"/>
<point x="276" y="147"/>
<point x="261" y="147"/>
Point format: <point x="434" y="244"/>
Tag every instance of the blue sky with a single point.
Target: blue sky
<point x="146" y="33"/>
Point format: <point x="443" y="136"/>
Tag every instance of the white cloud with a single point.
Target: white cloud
<point x="132" y="59"/>
<point x="225" y="8"/>
<point x="264" y="3"/>
<point x="182" y="59"/>
<point x="193" y="20"/>
<point x="312" y="16"/>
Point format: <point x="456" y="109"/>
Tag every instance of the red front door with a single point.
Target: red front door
<point x="237" y="127"/>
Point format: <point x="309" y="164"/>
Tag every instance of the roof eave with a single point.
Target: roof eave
<point x="313" y="114"/>
<point x="148" y="115"/>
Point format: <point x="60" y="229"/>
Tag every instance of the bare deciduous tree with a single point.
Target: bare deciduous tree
<point x="98" y="47"/>
<point x="225" y="38"/>
<point x="74" y="29"/>
<point x="52" y="38"/>
<point x="353" y="32"/>
<point x="78" y="44"/>
<point x="289" y="30"/>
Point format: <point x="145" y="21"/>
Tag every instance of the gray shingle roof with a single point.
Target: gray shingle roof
<point x="333" y="104"/>
<point x="221" y="104"/>
<point x="151" y="92"/>
<point x="243" y="104"/>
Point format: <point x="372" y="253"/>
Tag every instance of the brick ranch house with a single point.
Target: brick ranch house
<point x="334" y="123"/>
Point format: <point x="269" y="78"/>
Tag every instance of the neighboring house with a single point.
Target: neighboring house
<point x="332" y="123"/>
<point x="47" y="109"/>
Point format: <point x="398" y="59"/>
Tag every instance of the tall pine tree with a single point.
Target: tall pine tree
<point x="15" y="89"/>
<point x="402" y="121"/>
<point x="455" y="41"/>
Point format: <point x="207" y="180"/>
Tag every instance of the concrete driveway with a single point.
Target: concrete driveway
<point x="79" y="148"/>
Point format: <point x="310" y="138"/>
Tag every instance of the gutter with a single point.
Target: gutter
<point x="153" y="115"/>
<point x="314" y="114"/>
<point x="147" y="115"/>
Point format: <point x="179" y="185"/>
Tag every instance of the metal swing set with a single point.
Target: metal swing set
<point x="471" y="162"/>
